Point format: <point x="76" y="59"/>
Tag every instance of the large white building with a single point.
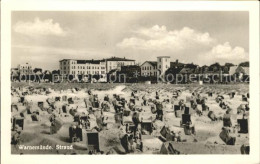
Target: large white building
<point x="93" y="67"/>
<point x="83" y="67"/>
<point x="116" y="63"/>
<point x="149" y="68"/>
<point x="25" y="69"/>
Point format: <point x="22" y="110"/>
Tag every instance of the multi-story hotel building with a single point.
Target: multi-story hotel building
<point x="82" y="67"/>
<point x="92" y="67"/>
<point x="116" y="63"/>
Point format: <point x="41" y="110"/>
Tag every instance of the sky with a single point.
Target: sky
<point x="42" y="38"/>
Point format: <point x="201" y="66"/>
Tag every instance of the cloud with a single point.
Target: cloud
<point x="186" y="44"/>
<point x="39" y="28"/>
<point x="159" y="38"/>
<point x="226" y="53"/>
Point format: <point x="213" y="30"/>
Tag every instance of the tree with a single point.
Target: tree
<point x="215" y="67"/>
<point x="57" y="72"/>
<point x="229" y="64"/>
<point x="244" y="64"/>
<point x="37" y="70"/>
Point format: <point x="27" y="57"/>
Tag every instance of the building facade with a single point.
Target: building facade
<point x="163" y="64"/>
<point x="83" y="67"/>
<point x="25" y="69"/>
<point x="149" y="68"/>
<point x="116" y="63"/>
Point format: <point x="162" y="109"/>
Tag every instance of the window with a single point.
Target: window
<point x="159" y="66"/>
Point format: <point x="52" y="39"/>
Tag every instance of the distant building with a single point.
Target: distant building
<point x="239" y="70"/>
<point x="116" y="63"/>
<point x="187" y="71"/>
<point x="83" y="67"/>
<point x="25" y="69"/>
<point x="163" y="64"/>
<point x="131" y="70"/>
<point x="128" y="74"/>
<point x="149" y="68"/>
<point x="176" y="64"/>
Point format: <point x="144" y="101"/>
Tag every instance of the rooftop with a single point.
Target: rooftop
<point x="89" y="61"/>
<point x="85" y="61"/>
<point x="98" y="61"/>
<point x="163" y="57"/>
<point x="153" y="63"/>
<point x="118" y="59"/>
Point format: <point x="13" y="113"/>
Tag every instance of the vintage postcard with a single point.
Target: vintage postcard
<point x="137" y="79"/>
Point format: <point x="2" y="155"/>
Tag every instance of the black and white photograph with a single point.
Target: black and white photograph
<point x="122" y="82"/>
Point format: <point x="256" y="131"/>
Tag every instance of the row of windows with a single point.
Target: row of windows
<point x="149" y="74"/>
<point x="121" y="63"/>
<point x="165" y="66"/>
<point x="150" y="68"/>
<point x="160" y="59"/>
<point x="87" y="67"/>
<point x="83" y="67"/>
<point x="147" y="68"/>
<point x="112" y="67"/>
<point x="86" y="72"/>
<point x="109" y="63"/>
<point x="25" y="67"/>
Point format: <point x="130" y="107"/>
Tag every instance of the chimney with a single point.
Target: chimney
<point x="177" y="61"/>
